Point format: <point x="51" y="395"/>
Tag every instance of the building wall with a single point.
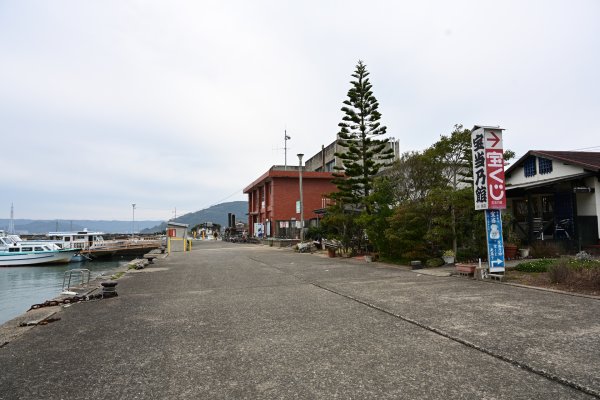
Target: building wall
<point x="282" y="192"/>
<point x="325" y="159"/>
<point x="286" y="191"/>
<point x="587" y="202"/>
<point x="559" y="170"/>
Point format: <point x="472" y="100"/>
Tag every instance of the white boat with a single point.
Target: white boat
<point x="16" y="252"/>
<point x="84" y="240"/>
<point x="92" y="244"/>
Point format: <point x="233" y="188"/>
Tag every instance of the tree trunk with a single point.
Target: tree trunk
<point x="453" y="224"/>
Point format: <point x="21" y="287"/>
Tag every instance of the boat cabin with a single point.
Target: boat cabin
<point x="77" y="240"/>
<point x="28" y="249"/>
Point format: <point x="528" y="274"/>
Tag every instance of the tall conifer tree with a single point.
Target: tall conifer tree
<point x="364" y="153"/>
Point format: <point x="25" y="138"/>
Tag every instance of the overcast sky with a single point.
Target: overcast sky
<point x="181" y="104"/>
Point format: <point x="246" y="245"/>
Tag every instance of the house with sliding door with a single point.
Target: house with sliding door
<point x="555" y="195"/>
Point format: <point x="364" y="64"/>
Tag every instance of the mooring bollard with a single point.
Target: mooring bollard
<point x="109" y="289"/>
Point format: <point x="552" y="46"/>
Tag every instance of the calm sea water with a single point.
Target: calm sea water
<point x="21" y="287"/>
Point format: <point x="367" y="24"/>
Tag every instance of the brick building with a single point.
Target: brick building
<point x="272" y="197"/>
<point x="272" y="200"/>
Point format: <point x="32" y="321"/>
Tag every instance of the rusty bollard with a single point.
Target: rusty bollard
<point x="109" y="289"/>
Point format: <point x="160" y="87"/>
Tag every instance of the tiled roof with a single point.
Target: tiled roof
<point x="589" y="160"/>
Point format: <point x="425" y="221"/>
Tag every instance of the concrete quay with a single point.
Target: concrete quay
<point x="242" y="321"/>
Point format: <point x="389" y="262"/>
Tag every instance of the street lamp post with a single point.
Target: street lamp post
<point x="132" y="219"/>
<point x="300" y="155"/>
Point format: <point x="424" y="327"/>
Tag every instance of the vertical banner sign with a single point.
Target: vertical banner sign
<point x="488" y="168"/>
<point x="479" y="185"/>
<point x="494" y="169"/>
<point x="493" y="226"/>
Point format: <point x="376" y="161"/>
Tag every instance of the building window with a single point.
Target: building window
<point x="329" y="166"/>
<point x="545" y="165"/>
<point x="529" y="167"/>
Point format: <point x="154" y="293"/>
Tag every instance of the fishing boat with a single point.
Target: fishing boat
<point x="17" y="252"/>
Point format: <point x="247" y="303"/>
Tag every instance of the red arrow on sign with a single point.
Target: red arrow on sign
<point x="495" y="139"/>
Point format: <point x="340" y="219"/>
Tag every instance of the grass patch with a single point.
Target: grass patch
<point x="535" y="265"/>
<point x="117" y="275"/>
<point x="583" y="264"/>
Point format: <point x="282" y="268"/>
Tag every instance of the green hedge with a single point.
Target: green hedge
<point x="434" y="262"/>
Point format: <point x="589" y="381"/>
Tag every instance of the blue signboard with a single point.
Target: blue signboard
<point x="495" y="245"/>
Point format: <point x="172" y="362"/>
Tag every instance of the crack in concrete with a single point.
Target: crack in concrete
<point x="538" y="371"/>
<point x="499" y="356"/>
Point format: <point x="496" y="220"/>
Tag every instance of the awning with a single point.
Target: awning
<point x="546" y="182"/>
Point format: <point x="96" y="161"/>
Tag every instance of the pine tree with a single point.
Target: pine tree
<point x="364" y="153"/>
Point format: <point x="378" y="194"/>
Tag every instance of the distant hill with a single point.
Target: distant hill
<point x="30" y="226"/>
<point x="216" y="214"/>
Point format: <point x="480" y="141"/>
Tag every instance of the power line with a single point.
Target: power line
<point x="222" y="200"/>
<point x="586" y="148"/>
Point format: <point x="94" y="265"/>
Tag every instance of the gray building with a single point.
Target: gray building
<point x="325" y="160"/>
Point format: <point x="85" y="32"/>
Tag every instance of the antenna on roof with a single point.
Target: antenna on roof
<point x="285" y="139"/>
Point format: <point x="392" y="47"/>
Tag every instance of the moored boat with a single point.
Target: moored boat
<point x="17" y="252"/>
<point x="92" y="245"/>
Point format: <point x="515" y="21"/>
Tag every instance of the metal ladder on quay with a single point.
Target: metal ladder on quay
<point x="68" y="277"/>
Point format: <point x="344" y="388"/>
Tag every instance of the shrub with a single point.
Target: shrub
<point x="434" y="262"/>
<point x="314" y="233"/>
<point x="535" y="266"/>
<point x="559" y="272"/>
<point x="466" y="254"/>
<point x="582" y="263"/>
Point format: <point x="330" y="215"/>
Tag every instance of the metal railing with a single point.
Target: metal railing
<point x="84" y="278"/>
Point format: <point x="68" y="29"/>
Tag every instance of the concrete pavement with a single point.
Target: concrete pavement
<point x="247" y="321"/>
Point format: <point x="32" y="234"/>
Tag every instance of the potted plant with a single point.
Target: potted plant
<point x="448" y="257"/>
<point x="510" y="237"/>
<point x="331" y="251"/>
<point x="468" y="269"/>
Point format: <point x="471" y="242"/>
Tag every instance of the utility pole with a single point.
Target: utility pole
<point x="11" y="223"/>
<point x="132" y="219"/>
<point x="300" y="155"/>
